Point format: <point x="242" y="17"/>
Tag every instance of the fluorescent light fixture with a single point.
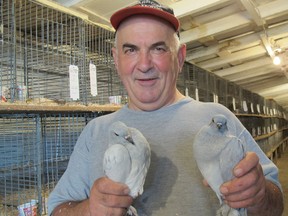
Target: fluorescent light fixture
<point x="276" y="60"/>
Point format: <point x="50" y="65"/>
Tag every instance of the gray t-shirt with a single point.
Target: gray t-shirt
<point x="174" y="184"/>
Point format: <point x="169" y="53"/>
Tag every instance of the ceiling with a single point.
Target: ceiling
<point x="235" y="39"/>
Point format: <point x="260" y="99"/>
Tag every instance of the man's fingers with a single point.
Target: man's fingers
<point x="250" y="161"/>
<point x="108" y="186"/>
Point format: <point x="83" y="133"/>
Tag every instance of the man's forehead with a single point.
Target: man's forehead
<point x="145" y="20"/>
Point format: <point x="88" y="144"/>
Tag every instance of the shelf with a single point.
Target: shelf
<point x="256" y="115"/>
<point x="275" y="152"/>
<point x="264" y="136"/>
<point x="6" y="108"/>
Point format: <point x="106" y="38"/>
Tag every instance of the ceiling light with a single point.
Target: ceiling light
<point x="276" y="60"/>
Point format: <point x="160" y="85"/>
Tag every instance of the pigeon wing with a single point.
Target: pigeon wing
<point x="117" y="163"/>
<point x="231" y="155"/>
<point x="140" y="155"/>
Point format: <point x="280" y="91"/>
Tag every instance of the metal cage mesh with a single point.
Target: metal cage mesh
<point x="37" y="45"/>
<point x="34" y="153"/>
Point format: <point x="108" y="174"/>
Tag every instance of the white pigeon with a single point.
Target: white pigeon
<point x="217" y="152"/>
<point x="127" y="158"/>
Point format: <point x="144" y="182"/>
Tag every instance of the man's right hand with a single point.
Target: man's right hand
<point x="106" y="198"/>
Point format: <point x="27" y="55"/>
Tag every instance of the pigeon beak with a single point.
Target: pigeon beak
<point x="219" y="125"/>
<point x="129" y="139"/>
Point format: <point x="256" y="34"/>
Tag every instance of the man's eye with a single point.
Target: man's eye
<point x="129" y="50"/>
<point x="159" y="49"/>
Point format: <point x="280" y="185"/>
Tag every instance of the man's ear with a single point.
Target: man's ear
<point x="115" y="56"/>
<point x="182" y="55"/>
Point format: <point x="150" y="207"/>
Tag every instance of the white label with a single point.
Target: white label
<point x="93" y="79"/>
<point x="252" y="108"/>
<point x="196" y="94"/>
<point x="245" y="108"/>
<point x="258" y="108"/>
<point x="74" y="82"/>
<point x="186" y="92"/>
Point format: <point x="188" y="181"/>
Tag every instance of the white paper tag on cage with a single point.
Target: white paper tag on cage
<point x="74" y="82"/>
<point x="93" y="79"/>
<point x="215" y="97"/>
<point x="268" y="129"/>
<point x="245" y="108"/>
<point x="271" y="112"/>
<point x="186" y="92"/>
<point x="252" y="108"/>
<point x="234" y="103"/>
<point x="196" y="94"/>
<point x="258" y="108"/>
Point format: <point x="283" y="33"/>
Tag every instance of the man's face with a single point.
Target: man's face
<point x="148" y="62"/>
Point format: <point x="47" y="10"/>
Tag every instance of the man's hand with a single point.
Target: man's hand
<point x="106" y="198"/>
<point x="109" y="198"/>
<point x="249" y="189"/>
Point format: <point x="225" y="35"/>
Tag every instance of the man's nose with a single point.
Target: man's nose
<point x="144" y="62"/>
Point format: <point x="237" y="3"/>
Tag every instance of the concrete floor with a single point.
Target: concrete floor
<point x="282" y="163"/>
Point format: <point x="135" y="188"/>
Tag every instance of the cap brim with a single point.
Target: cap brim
<point x="122" y="14"/>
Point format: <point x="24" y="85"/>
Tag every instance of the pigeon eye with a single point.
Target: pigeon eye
<point x="116" y="134"/>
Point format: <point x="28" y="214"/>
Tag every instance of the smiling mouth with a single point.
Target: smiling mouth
<point x="149" y="79"/>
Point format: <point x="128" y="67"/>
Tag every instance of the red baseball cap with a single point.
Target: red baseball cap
<point x="148" y="7"/>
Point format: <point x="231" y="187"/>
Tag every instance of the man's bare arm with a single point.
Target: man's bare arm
<point x="272" y="203"/>
<point x="72" y="208"/>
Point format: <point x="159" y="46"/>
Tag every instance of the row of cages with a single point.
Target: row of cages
<point x="208" y="87"/>
<point x="49" y="55"/>
<point x="35" y="150"/>
<point x="58" y="57"/>
<point x="259" y="126"/>
<point x="34" y="153"/>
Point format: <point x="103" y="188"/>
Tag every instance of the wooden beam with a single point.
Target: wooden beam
<point x="253" y="12"/>
<point x="215" y="27"/>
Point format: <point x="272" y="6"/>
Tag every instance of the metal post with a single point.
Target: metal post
<point x="39" y="162"/>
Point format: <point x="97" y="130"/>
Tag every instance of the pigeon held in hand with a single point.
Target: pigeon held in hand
<point x="127" y="158"/>
<point x="217" y="151"/>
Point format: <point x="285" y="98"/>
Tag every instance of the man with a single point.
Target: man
<point x="148" y="58"/>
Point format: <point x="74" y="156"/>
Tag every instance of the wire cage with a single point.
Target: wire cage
<point x="41" y="50"/>
<point x="34" y="153"/>
<point x="201" y="78"/>
<point x="20" y="161"/>
<point x="186" y="82"/>
<point x="246" y="101"/>
<point x="261" y="106"/>
<point x="181" y="78"/>
<point x="39" y="46"/>
<point x="272" y="107"/>
<point x="257" y="100"/>
<point x="253" y="103"/>
<point x="233" y="97"/>
<point x="211" y="88"/>
<point x="221" y="90"/>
